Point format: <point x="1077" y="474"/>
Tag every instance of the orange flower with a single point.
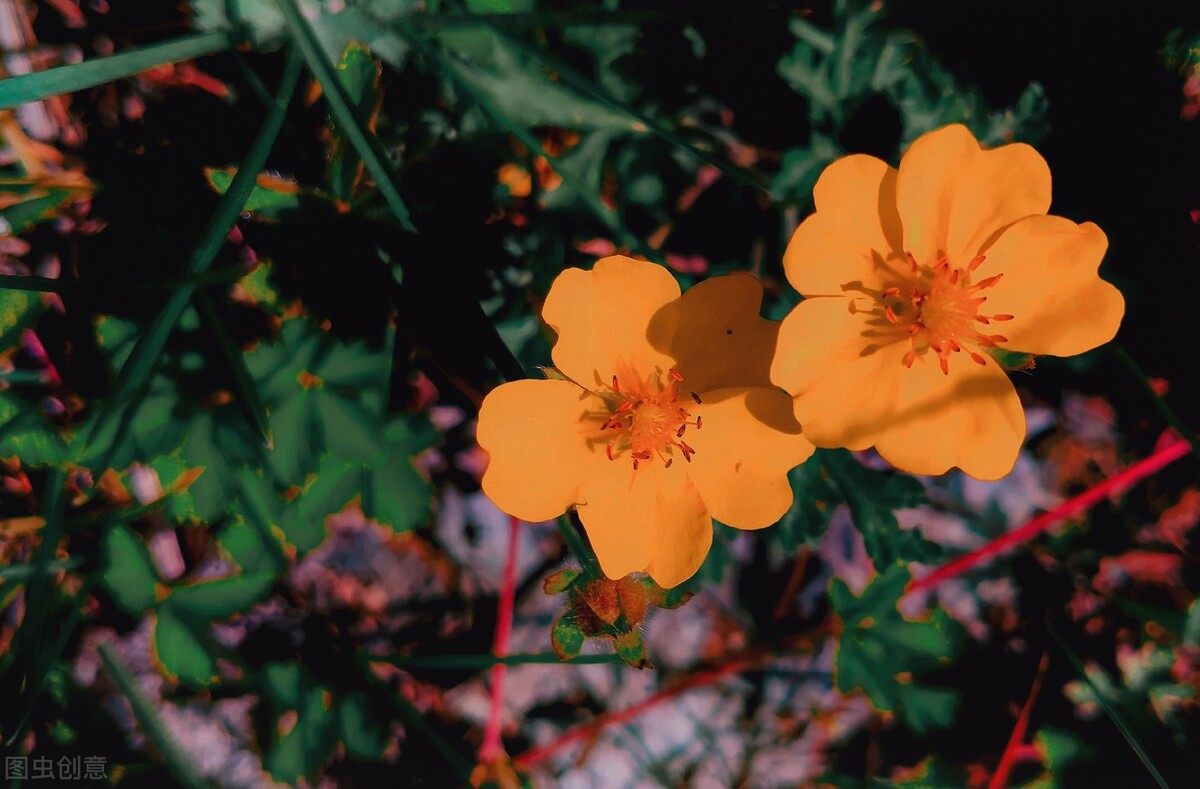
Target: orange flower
<point x="912" y="277"/>
<point x="667" y="418"/>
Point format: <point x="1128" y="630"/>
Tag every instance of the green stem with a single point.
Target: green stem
<point x="575" y="543"/>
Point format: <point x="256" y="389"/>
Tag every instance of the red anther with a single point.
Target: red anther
<point x="977" y="358"/>
<point x="608" y="451"/>
<point x="976" y="263"/>
<point x="696" y="397"/>
<point x="679" y="432"/>
<point x="669" y="462"/>
<point x="699" y="422"/>
<point x="998" y="338"/>
<point x="616" y="385"/>
<point x="912" y="262"/>
<point x="635" y="464"/>
<point x="942" y="262"/>
<point x="987" y="283"/>
<point x="944" y="363"/>
<point x="982" y="320"/>
<point x="1002" y="317"/>
<point x="853" y="307"/>
<point x="909" y="358"/>
<point x="890" y="315"/>
<point x="913" y="328"/>
<point x="893" y="291"/>
<point x="676" y="374"/>
<point x="954" y="276"/>
<point x="643" y="455"/>
<point x="954" y="346"/>
<point x="625" y="406"/>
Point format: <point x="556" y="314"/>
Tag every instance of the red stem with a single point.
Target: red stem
<point x="492" y="748"/>
<point x="1173" y="449"/>
<point x="1011" y="751"/>
<point x="600" y="722"/>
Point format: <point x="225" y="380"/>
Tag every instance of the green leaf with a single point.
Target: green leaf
<point x="303" y="748"/>
<point x="18" y="217"/>
<point x="128" y="573"/>
<point x="812" y="506"/>
<point x="361" y="728"/>
<point x="246" y="390"/>
<point x="27" y="434"/>
<point x="79" y="76"/>
<point x="181" y="648"/>
<point x="18" y="310"/>
<point x="879" y="650"/>
<point x="221" y="598"/>
<point x="872" y="496"/>
<point x="272" y="198"/>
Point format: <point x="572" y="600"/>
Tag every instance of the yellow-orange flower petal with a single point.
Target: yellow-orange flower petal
<point x="1059" y="304"/>
<point x="601" y="317"/>
<point x="749" y="441"/>
<point x="953" y="196"/>
<point x="538" y="447"/>
<point x="844" y="385"/>
<point x="855" y="229"/>
<point x="720" y="339"/>
<point x="970" y="418"/>
<point x="682" y="541"/>
<point x="634" y="518"/>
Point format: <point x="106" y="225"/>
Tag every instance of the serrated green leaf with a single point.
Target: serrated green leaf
<point x="181" y="647"/>
<point x="220" y="599"/>
<point x="873" y="496"/>
<point x="128" y="573"/>
<point x="878" y="644"/>
<point x="303" y="749"/>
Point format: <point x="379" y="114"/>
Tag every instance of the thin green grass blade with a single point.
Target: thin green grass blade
<point x="89" y="73"/>
<point x="248" y="397"/>
<point x="343" y="111"/>
<point x="32" y="634"/>
<point x="175" y="758"/>
<point x="137" y="368"/>
<point x="570" y="76"/>
<point x="1112" y="712"/>
<point x="487" y="661"/>
<point x="1160" y="403"/>
<point x="20" y="573"/>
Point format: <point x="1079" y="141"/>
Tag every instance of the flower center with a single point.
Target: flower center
<point x="646" y="419"/>
<point x="937" y="309"/>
